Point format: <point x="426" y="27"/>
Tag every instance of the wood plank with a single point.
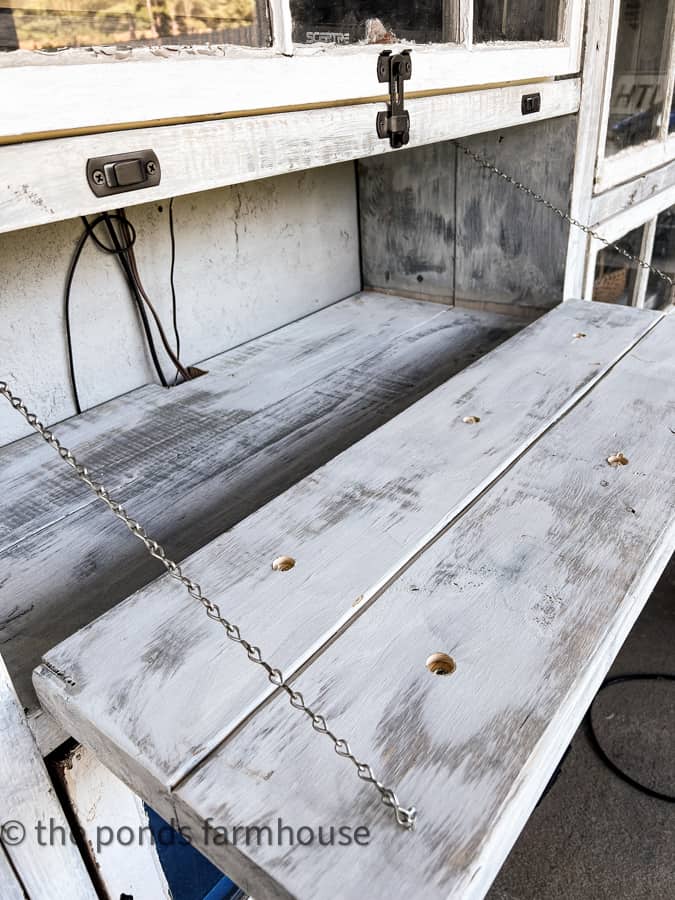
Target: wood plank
<point x="281" y="407"/>
<point x="10" y="886"/>
<point x="44" y="181"/>
<point x="623" y="197"/>
<point x="532" y="591"/>
<point x="29" y="805"/>
<point x="103" y="94"/>
<point x="106" y="810"/>
<point x="139" y="426"/>
<point x="598" y="58"/>
<point x="351" y="526"/>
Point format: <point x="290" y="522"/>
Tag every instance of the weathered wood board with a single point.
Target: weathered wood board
<point x="532" y="590"/>
<point x="455" y="230"/>
<point x="10" y="886"/>
<point x="115" y="828"/>
<point x="192" y="461"/>
<point x="351" y="526"/>
<point x="35" y="842"/>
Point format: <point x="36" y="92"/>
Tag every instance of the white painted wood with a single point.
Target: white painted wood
<point x="620" y="225"/>
<point x="597" y="57"/>
<point x="304" y="222"/>
<point x="532" y="590"/>
<point x="351" y="526"/>
<point x="613" y="11"/>
<point x="282" y="26"/>
<point x="108" y="92"/>
<point x="29" y="805"/>
<point x="115" y="827"/>
<point x="629" y="163"/>
<point x="44" y="181"/>
<point x="10" y="886"/>
<point x="633" y="161"/>
<point x="624" y="196"/>
<point x="642" y="275"/>
<point x="269" y="413"/>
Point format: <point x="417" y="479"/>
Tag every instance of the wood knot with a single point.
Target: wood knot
<point x="471" y="420"/>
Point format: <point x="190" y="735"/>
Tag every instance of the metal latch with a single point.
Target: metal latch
<point x="123" y="172"/>
<point x="395" y="122"/>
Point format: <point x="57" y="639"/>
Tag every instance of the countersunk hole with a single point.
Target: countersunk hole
<point x="471" y="420"/>
<point x="283" y="563"/>
<point x="440" y="664"/>
<point x="617" y="459"/>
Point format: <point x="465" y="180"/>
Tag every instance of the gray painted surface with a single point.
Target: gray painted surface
<point x="435" y="224"/>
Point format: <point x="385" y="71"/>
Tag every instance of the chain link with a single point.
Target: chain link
<point x="495" y="170"/>
<point x="404" y="816"/>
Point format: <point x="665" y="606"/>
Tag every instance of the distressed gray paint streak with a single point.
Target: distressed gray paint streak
<point x="408" y="221"/>
<point x="509" y="250"/>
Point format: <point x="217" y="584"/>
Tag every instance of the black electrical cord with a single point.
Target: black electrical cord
<point x="125" y="227"/>
<point x="174" y="305"/>
<point x="88" y="232"/>
<point x="600" y="751"/>
<point x="122" y="247"/>
<point x="122" y="251"/>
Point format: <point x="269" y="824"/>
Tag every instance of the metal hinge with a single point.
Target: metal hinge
<point x="395" y="122"/>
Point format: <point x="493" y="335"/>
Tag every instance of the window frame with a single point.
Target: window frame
<point x="633" y="161"/>
<point x="92" y="94"/>
<point x="643" y="215"/>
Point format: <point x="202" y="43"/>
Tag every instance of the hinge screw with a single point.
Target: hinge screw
<point x="150" y="167"/>
<point x="97" y="177"/>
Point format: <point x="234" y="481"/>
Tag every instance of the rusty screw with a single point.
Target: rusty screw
<point x="150" y="167"/>
<point x="97" y="176"/>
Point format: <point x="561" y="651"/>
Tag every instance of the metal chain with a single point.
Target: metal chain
<point x="404" y="816"/>
<point x="495" y="170"/>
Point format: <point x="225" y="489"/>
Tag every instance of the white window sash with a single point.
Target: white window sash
<point x="54" y="98"/>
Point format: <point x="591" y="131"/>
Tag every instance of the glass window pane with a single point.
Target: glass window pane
<point x="56" y="24"/>
<point x="373" y="21"/>
<point x="663" y="258"/>
<point x="614" y="274"/>
<point x="640" y="69"/>
<point x="516" y="20"/>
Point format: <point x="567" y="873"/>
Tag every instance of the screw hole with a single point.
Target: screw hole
<point x="283" y="563"/>
<point x="440" y="664"/>
<point x="617" y="459"/>
<point x="471" y="420"/>
<point x="578" y="335"/>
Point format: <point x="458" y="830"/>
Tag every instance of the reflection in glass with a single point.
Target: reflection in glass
<point x="671" y="123"/>
<point x="56" y="24"/>
<point x="614" y="274"/>
<point x="663" y="258"/>
<point x="516" y="20"/>
<point x="640" y="68"/>
<point x="374" y="21"/>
